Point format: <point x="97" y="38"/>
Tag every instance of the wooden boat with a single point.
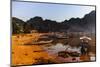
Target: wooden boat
<point x="62" y="37"/>
<point x="42" y="42"/>
<point x="68" y="54"/>
<point x="54" y="36"/>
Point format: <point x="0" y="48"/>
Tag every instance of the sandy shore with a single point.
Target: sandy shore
<point x="34" y="54"/>
<point x="27" y="54"/>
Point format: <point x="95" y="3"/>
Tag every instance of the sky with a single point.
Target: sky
<point x="56" y="12"/>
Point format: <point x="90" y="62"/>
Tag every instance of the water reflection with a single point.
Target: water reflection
<point x="55" y="48"/>
<point x="62" y="45"/>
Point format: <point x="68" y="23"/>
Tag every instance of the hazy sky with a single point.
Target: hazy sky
<point x="58" y="12"/>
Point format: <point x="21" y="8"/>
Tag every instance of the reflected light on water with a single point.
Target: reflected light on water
<point x="53" y="49"/>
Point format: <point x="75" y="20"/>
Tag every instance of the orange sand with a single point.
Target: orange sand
<point x="26" y="54"/>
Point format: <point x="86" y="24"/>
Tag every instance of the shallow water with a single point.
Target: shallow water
<point x="55" y="48"/>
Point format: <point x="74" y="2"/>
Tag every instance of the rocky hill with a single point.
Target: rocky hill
<point x="85" y="24"/>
